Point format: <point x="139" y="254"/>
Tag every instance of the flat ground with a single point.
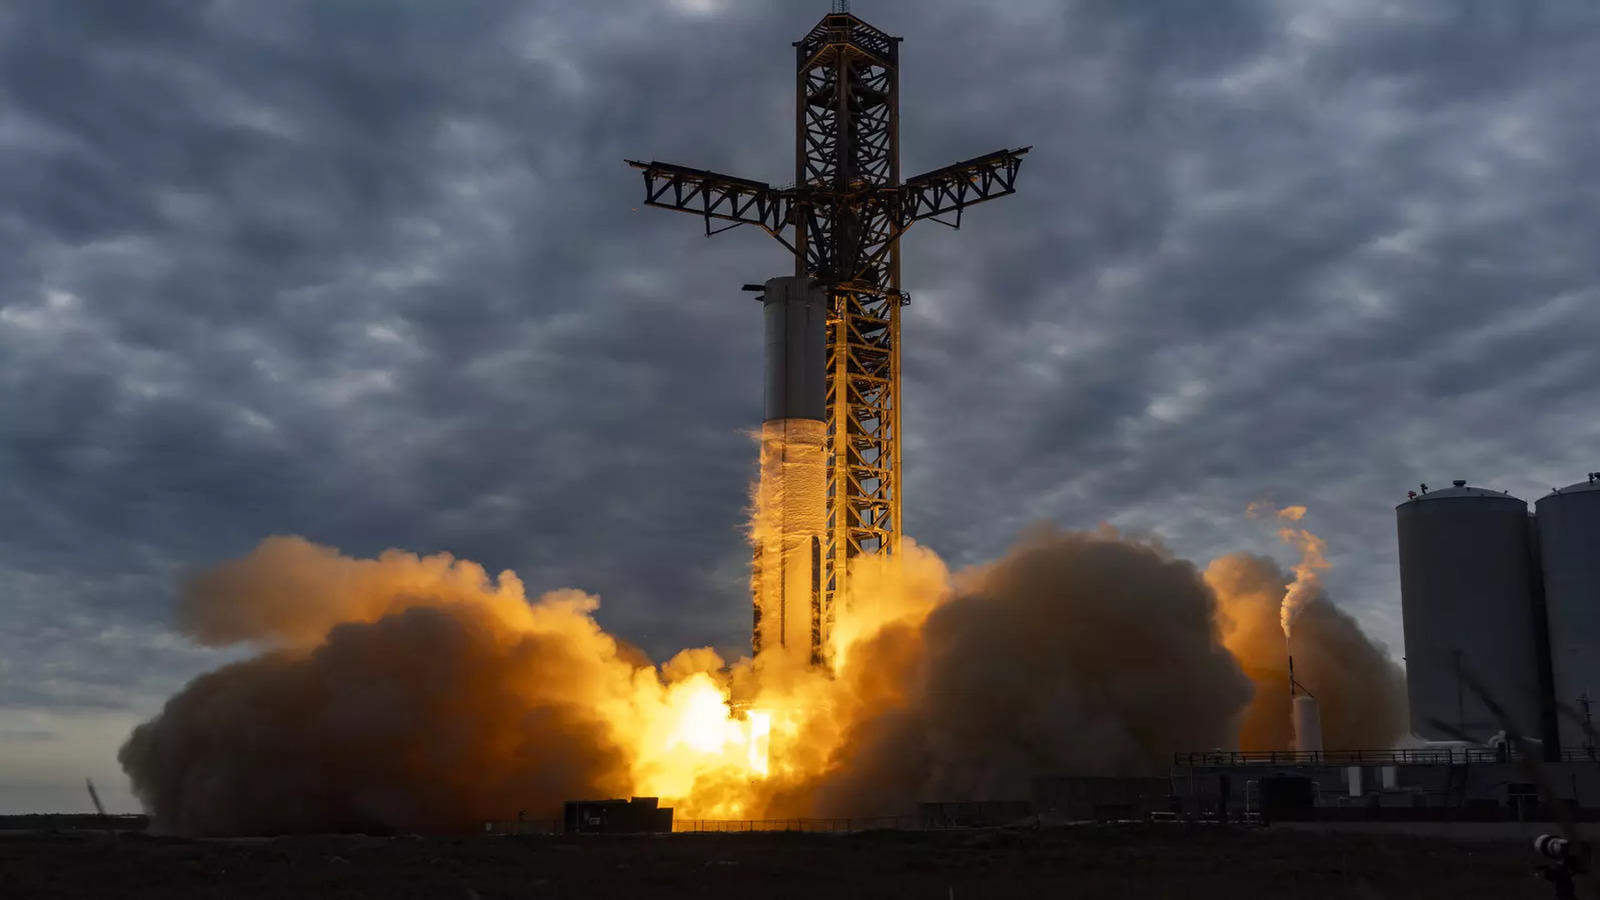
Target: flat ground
<point x="1113" y="861"/>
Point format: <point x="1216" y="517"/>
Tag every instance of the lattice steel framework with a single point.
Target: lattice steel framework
<point x="842" y="219"/>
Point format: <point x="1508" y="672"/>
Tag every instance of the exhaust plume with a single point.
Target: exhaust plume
<point x="1080" y="653"/>
<point x="406" y="694"/>
<point x="410" y="693"/>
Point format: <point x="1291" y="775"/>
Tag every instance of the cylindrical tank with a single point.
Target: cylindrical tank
<point x="1307" y="724"/>
<point x="790" y="521"/>
<point x="796" y="312"/>
<point x="1569" y="550"/>
<point x="1467" y="589"/>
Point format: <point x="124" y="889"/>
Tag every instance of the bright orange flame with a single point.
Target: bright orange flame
<point x="760" y="741"/>
<point x="704" y="725"/>
<point x="689" y="745"/>
<point x="692" y="748"/>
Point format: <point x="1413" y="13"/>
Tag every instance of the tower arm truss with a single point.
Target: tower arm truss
<point x="935" y="194"/>
<point x="715" y="196"/>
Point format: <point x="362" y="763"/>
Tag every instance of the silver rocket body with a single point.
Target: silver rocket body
<point x="791" y="500"/>
<point x="796" y="314"/>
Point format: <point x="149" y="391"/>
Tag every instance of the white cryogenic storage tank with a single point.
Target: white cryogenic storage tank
<point x="1467" y="599"/>
<point x="1569" y="550"/>
<point x="1307" y="724"/>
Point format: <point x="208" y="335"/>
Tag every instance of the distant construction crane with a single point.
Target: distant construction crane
<point x="842" y="219"/>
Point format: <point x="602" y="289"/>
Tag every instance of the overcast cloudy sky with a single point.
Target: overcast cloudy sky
<point x="374" y="273"/>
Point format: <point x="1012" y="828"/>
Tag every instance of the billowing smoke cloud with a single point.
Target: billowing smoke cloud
<point x="421" y="694"/>
<point x="398" y="694"/>
<point x="290" y="593"/>
<point x="427" y="720"/>
<point x="1360" y="690"/>
<point x="1077" y="653"/>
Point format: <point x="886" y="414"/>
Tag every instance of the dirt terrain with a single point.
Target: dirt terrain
<point x="1083" y="862"/>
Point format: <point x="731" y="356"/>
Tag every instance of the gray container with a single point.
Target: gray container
<point x="1467" y="595"/>
<point x="1569" y="550"/>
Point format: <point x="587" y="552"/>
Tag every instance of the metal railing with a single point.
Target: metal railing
<point x="809" y="826"/>
<point x="1407" y="757"/>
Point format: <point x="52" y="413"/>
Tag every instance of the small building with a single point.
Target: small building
<point x="640" y="815"/>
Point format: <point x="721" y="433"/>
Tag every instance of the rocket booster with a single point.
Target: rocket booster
<point x="791" y="503"/>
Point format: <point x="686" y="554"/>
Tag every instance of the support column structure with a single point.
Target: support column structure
<point x="847" y="153"/>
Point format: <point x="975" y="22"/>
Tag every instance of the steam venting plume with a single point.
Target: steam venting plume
<point x="1307" y="583"/>
<point x="1360" y="690"/>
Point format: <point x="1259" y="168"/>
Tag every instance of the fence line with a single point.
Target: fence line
<point x="803" y="825"/>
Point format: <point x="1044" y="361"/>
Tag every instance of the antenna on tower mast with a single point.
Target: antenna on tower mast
<point x="841" y="6"/>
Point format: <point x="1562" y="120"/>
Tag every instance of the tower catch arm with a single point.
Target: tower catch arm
<point x="956" y="187"/>
<point x="712" y="195"/>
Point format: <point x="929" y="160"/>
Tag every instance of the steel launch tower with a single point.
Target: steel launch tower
<point x="842" y="219"/>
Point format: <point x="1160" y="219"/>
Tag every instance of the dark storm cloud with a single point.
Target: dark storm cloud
<point x="346" y="272"/>
<point x="375" y="274"/>
<point x="1328" y="271"/>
